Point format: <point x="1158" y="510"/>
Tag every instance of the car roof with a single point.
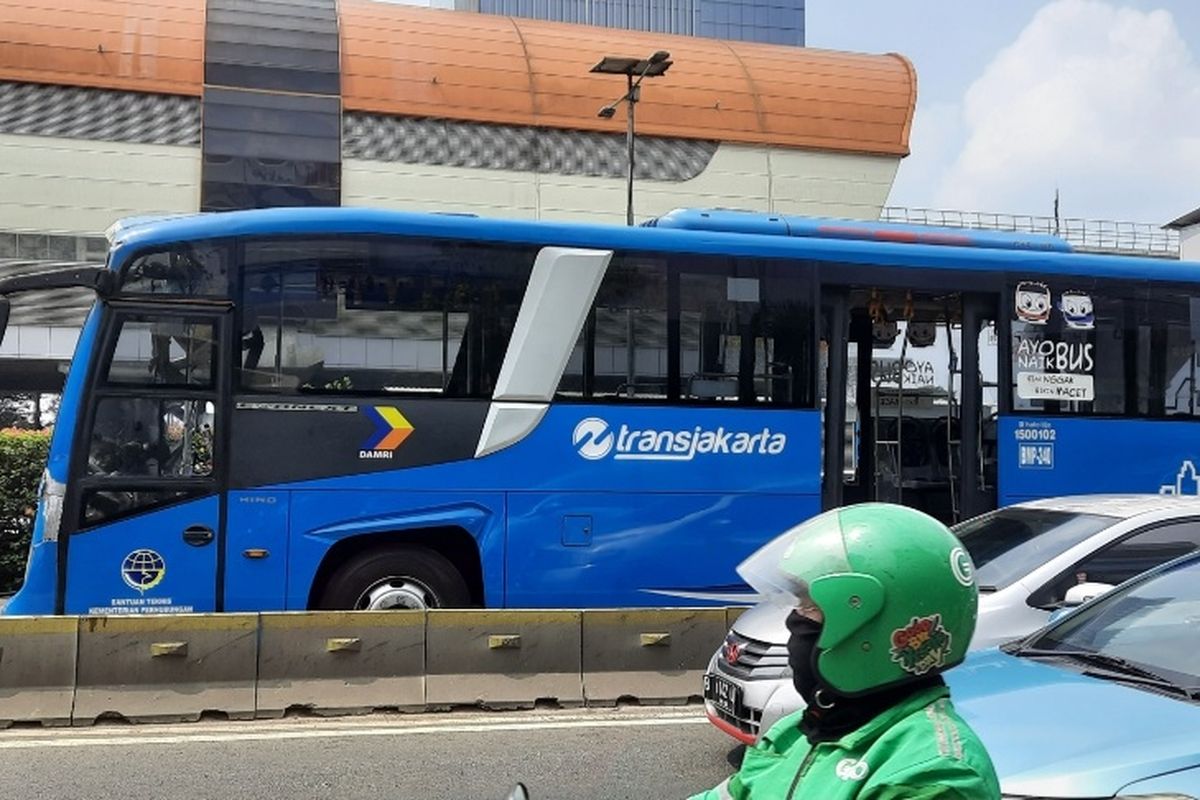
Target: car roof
<point x="1120" y="506"/>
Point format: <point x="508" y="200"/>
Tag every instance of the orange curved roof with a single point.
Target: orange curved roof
<point x="134" y="45"/>
<point x="455" y="65"/>
<point x="404" y="60"/>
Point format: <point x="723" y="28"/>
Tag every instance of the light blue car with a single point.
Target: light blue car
<point x="1102" y="703"/>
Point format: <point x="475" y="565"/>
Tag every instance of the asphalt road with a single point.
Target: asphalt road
<point x="643" y="753"/>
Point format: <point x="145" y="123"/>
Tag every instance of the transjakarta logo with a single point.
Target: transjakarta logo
<point x="595" y="439"/>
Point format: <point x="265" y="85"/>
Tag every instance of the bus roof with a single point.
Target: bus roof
<point x="738" y="221"/>
<point x="760" y="237"/>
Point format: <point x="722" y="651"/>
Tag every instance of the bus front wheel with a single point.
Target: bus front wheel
<point x="406" y="577"/>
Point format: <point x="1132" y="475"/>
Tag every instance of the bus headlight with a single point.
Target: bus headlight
<point x="53" y="495"/>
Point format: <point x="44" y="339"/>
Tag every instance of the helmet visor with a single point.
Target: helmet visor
<point x="782" y="570"/>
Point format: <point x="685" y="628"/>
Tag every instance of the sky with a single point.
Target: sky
<point x="1098" y="100"/>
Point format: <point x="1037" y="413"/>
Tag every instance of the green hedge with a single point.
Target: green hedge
<point x="22" y="460"/>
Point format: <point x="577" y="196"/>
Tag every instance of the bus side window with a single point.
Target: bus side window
<point x="163" y="351"/>
<point x="738" y="331"/>
<point x="152" y="437"/>
<point x="198" y="269"/>
<point x="378" y="315"/>
<point x="1167" y="326"/>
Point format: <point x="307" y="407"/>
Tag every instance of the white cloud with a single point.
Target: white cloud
<point x="1100" y="101"/>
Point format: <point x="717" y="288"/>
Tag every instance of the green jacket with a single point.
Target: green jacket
<point x="919" y="749"/>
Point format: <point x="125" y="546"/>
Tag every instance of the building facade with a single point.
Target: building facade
<point x="769" y="21"/>
<point x="115" y="108"/>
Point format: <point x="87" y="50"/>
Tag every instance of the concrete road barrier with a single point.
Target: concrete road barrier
<point x="37" y="669"/>
<point x="655" y="655"/>
<point x="159" y="668"/>
<point x="341" y="662"/>
<point x="502" y="659"/>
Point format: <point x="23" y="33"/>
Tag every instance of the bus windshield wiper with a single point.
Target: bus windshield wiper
<point x="1127" y="670"/>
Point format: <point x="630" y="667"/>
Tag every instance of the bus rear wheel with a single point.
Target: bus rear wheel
<point x="396" y="578"/>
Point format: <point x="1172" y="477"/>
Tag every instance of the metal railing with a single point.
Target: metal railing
<point x="1090" y="235"/>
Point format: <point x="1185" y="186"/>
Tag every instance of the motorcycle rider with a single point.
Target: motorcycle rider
<point x="883" y="600"/>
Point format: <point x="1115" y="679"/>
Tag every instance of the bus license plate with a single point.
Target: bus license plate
<point x="723" y="694"/>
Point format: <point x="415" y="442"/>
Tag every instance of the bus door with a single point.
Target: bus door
<point x="911" y="399"/>
<point x="142" y="518"/>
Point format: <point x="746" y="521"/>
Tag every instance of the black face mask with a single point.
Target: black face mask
<point x="802" y="646"/>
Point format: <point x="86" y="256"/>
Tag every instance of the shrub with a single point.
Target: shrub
<point x="22" y="460"/>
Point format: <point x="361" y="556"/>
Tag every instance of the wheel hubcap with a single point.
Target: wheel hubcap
<point x="397" y="593"/>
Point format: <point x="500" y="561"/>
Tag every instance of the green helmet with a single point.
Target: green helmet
<point x="895" y="586"/>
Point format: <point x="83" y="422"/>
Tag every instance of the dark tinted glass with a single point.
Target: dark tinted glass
<point x="379" y="316"/>
<point x="106" y="505"/>
<point x="1068" y="349"/>
<point x="200" y="269"/>
<point x="152" y="437"/>
<point x="707" y="330"/>
<point x="156" y="351"/>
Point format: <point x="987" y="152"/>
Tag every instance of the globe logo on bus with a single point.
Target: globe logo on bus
<point x="593" y="438"/>
<point x="143" y="570"/>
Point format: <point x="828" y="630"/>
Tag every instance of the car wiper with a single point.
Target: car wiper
<point x="1127" y="670"/>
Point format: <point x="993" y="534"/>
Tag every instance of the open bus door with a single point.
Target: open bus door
<point x="910" y="400"/>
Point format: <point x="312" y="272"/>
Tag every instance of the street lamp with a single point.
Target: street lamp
<point x="631" y="68"/>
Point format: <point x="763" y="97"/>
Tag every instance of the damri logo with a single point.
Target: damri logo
<point x="595" y="439"/>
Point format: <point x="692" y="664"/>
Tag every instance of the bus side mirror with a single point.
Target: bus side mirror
<point x="5" y="307"/>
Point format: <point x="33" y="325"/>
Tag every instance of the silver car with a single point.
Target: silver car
<point x="1030" y="558"/>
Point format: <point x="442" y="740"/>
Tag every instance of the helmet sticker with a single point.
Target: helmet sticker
<point x="921" y="645"/>
<point x="961" y="566"/>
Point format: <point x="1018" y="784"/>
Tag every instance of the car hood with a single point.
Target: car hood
<point x="764" y="622"/>
<point x="1054" y="733"/>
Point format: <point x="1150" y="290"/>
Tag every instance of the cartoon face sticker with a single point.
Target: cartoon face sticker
<point x="921" y="645"/>
<point x="1033" y="302"/>
<point x="1076" y="308"/>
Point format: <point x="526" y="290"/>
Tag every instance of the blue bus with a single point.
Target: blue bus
<point x="356" y="409"/>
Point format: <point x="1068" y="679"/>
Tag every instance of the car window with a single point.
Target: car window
<point x="1008" y="544"/>
<point x="1151" y="623"/>
<point x="1127" y="558"/>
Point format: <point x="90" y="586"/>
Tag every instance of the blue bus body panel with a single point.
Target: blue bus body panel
<point x="549" y="459"/>
<point x="647" y="509"/>
<point x="1048" y="456"/>
<point x="141" y="565"/>
<point x="256" y="521"/>
<point x="37" y="593"/>
<point x="604" y="549"/>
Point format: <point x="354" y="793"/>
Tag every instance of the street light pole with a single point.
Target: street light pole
<point x="632" y="94"/>
<point x="651" y="67"/>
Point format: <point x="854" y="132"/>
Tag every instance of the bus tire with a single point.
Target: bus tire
<point x="398" y="577"/>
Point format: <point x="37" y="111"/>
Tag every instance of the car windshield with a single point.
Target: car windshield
<point x="1150" y="624"/>
<point x="1008" y="544"/>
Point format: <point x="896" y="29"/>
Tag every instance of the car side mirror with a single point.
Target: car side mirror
<point x="519" y="792"/>
<point x="1080" y="593"/>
